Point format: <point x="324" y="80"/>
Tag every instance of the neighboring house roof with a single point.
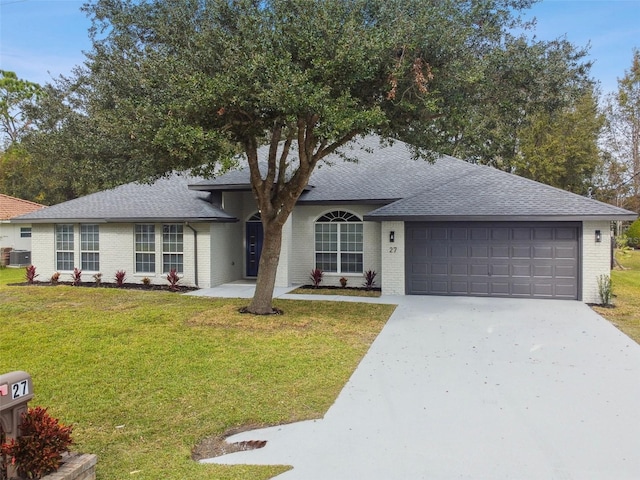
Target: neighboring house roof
<point x="11" y="207"/>
<point x="168" y="199"/>
<point x="447" y="189"/>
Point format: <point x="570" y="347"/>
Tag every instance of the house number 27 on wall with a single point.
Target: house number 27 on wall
<point x="393" y="249"/>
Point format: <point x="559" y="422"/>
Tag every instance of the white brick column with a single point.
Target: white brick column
<point x="283" y="274"/>
<point x="393" y="275"/>
<point x="596" y="258"/>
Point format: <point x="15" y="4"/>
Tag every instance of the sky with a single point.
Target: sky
<point x="41" y="39"/>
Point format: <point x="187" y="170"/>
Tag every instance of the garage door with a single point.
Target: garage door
<point x="534" y="260"/>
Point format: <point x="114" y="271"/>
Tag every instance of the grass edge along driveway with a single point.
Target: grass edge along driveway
<point x="625" y="313"/>
<point x="144" y="376"/>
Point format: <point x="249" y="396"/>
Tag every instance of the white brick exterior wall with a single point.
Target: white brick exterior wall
<point x="596" y="258"/>
<point x="221" y="251"/>
<point x="303" y="245"/>
<point x="393" y="258"/>
<point x="226" y="253"/>
<point x="117" y="252"/>
<point x="43" y="250"/>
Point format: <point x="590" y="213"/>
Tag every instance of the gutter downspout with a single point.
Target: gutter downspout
<point x="195" y="251"/>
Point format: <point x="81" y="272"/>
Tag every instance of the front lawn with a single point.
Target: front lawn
<point x="626" y="289"/>
<point x="144" y="376"/>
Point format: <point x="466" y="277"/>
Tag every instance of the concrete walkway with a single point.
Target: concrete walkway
<point x="475" y="388"/>
<point x="246" y="289"/>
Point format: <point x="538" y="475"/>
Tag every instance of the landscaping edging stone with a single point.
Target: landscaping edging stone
<point x="76" y="467"/>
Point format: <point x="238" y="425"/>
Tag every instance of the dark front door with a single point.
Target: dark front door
<point x="254" y="247"/>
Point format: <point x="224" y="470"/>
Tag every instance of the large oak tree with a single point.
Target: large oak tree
<point x="175" y="84"/>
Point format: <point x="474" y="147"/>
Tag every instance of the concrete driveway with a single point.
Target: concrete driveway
<point x="475" y="388"/>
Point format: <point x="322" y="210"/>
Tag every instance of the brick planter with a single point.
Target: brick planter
<point x="76" y="467"/>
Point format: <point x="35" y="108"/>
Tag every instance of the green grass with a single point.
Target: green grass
<point x="626" y="289"/>
<point x="144" y="376"/>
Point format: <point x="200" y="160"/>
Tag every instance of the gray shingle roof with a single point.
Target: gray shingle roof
<point x="409" y="189"/>
<point x="168" y="199"/>
<point x="446" y="189"/>
<point x="484" y="193"/>
<point x="381" y="173"/>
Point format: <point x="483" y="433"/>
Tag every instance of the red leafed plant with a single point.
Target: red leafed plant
<point x="30" y="274"/>
<point x="39" y="448"/>
<point x="316" y="277"/>
<point x="120" y="277"/>
<point x="369" y="279"/>
<point x="173" y="279"/>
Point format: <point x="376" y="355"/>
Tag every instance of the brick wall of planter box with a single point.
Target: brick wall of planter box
<point x="76" y="467"/>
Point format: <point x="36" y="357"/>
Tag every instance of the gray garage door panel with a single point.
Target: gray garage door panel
<point x="534" y="260"/>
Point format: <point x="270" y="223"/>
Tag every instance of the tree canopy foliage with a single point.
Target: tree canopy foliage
<point x="15" y="95"/>
<point x="621" y="178"/>
<point x="560" y="148"/>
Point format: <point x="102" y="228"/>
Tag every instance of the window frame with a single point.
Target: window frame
<point x="343" y="233"/>
<point x="25" y="232"/>
<point x="144" y="235"/>
<point x="90" y="247"/>
<point x="172" y="247"/>
<point x="65" y="247"/>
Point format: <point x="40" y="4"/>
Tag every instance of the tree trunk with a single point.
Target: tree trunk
<point x="267" y="269"/>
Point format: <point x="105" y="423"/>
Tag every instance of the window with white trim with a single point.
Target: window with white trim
<point x="145" y="248"/>
<point x="89" y="248"/>
<point x="64" y="247"/>
<point x="25" y="232"/>
<point x="339" y="243"/>
<point x="172" y="248"/>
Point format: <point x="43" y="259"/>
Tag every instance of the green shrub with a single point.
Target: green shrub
<point x="633" y="234"/>
<point x="605" y="290"/>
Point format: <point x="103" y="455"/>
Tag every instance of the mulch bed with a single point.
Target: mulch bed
<point x="125" y="286"/>
<point x="336" y="287"/>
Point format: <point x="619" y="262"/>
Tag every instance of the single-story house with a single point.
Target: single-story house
<point x="443" y="228"/>
<point x="14" y="237"/>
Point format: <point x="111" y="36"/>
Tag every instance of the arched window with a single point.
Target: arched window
<point x="339" y="242"/>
